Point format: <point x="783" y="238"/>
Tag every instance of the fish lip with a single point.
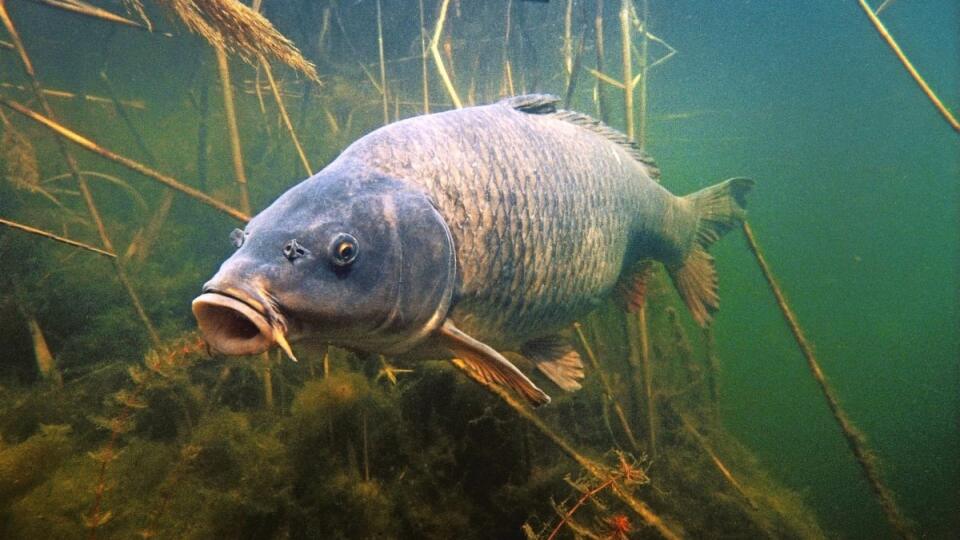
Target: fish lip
<point x="233" y="323"/>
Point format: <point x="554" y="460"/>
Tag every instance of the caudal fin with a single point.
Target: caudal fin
<point x="718" y="209"/>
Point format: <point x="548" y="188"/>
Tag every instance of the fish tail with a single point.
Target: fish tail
<point x="718" y="209"/>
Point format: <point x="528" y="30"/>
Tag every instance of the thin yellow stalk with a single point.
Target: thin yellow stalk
<point x="947" y="115"/>
<point x="63" y="94"/>
<point x="435" y="51"/>
<point x="383" y="66"/>
<point x="425" y="75"/>
<point x="647" y="366"/>
<point x="625" y="43"/>
<point x="607" y="387"/>
<point x="598" y="89"/>
<point x="91" y="146"/>
<point x="568" y="42"/>
<point x="55" y="237"/>
<point x="644" y="68"/>
<point x="717" y="462"/>
<point x="223" y="66"/>
<point x="285" y="117"/>
<point x="855" y="440"/>
<point x="603" y="77"/>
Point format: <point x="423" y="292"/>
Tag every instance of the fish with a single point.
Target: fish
<point x="465" y="234"/>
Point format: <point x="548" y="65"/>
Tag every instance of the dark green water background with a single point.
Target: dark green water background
<point x="856" y="207"/>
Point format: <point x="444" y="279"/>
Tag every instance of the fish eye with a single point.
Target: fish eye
<point x="237" y="236"/>
<point x="344" y="249"/>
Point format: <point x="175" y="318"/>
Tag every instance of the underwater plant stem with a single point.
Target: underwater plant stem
<point x="595" y="469"/>
<point x="267" y="376"/>
<point x="568" y="42"/>
<point x="583" y="499"/>
<point x="425" y="73"/>
<point x="647" y="367"/>
<point x="598" y="89"/>
<point x="438" y="60"/>
<point x="855" y="439"/>
<point x="644" y="42"/>
<point x="383" y="66"/>
<point x="882" y="29"/>
<point x="91" y="146"/>
<point x="223" y="67"/>
<point x="625" y="42"/>
<point x="284" y="116"/>
<point x="717" y="462"/>
<point x="607" y="387"/>
<point x="507" y="68"/>
<point x="75" y="172"/>
<point x="51" y="236"/>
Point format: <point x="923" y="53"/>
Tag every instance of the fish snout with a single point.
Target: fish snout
<point x="233" y="324"/>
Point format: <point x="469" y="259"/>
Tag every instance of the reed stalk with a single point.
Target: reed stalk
<point x="383" y="67"/>
<point x="855" y="439"/>
<point x="64" y="94"/>
<point x="236" y="151"/>
<point x="607" y="387"/>
<point x="75" y="172"/>
<point x="644" y="41"/>
<point x="628" y="83"/>
<point x="57" y="238"/>
<point x="598" y="89"/>
<point x="714" y="458"/>
<point x="424" y="72"/>
<point x="435" y="51"/>
<point x="568" y="42"/>
<point x="87" y="144"/>
<point x="931" y="95"/>
<point x="595" y="469"/>
<point x="46" y="364"/>
<point x="507" y="67"/>
<point x="285" y="117"/>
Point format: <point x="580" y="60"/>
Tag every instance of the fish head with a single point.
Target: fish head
<point x="364" y="265"/>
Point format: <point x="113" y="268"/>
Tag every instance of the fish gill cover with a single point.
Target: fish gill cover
<point x="134" y="141"/>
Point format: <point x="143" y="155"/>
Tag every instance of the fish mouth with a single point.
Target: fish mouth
<point x="235" y="325"/>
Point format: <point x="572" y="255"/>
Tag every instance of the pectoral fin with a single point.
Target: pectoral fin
<point x="487" y="365"/>
<point x="556" y="359"/>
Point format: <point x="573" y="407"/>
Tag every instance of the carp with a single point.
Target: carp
<point x="465" y="233"/>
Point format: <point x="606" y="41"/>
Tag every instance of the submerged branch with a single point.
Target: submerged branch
<point x="882" y="29"/>
<point x="855" y="439"/>
<point x="51" y="236"/>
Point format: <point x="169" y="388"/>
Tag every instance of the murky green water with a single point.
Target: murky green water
<point x="855" y="208"/>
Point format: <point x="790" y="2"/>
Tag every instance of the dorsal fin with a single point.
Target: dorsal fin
<point x="546" y="104"/>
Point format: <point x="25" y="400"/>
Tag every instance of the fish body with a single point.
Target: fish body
<point x="482" y="229"/>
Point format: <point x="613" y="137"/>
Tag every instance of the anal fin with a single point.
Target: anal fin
<point x="487" y="365"/>
<point x="556" y="359"/>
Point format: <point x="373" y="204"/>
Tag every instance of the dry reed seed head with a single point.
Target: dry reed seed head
<point x="19" y="159"/>
<point x="236" y="28"/>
